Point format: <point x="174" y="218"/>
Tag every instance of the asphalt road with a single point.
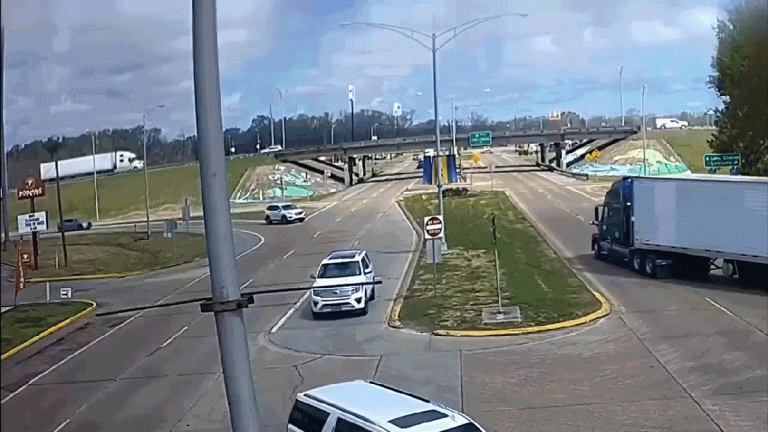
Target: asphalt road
<point x="665" y="359"/>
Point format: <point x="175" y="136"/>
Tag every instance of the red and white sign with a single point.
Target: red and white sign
<point x="31" y="187"/>
<point x="433" y="227"/>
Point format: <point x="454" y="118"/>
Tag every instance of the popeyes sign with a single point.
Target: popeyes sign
<point x="31" y="187"/>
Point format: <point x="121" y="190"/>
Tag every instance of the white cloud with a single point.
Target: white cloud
<point x="590" y="41"/>
<point x="233" y="35"/>
<point x="694" y="103"/>
<point x="699" y="21"/>
<point x="61" y="41"/>
<point x="67" y="105"/>
<point x="543" y="44"/>
<point x="654" y="32"/>
<point x="679" y="87"/>
<point x="232" y="99"/>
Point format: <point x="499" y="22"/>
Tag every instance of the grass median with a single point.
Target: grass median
<point x="111" y="253"/>
<point x="532" y="276"/>
<point x="26" y="321"/>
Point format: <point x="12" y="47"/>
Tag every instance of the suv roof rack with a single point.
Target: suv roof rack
<point x="421" y="398"/>
<point x="340" y="408"/>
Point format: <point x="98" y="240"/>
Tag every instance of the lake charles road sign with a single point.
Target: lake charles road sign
<point x="433" y="227"/>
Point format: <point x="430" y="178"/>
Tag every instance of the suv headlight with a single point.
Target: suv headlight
<point x="356" y="289"/>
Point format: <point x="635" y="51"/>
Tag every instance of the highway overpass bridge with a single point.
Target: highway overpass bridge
<point x="356" y="154"/>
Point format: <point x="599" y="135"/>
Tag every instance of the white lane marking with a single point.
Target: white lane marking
<point x="582" y="193"/>
<point x="316" y="234"/>
<point x="337" y="220"/>
<point x="290" y="312"/>
<point x="353" y="209"/>
<point x="288" y="254"/>
<point x="322" y="210"/>
<point x="170" y="339"/>
<point x="720" y="307"/>
<point x="61" y="425"/>
<point x="253" y="248"/>
<point x="98" y="339"/>
<point x="550" y="179"/>
<point x="246" y="284"/>
<point x="355" y="243"/>
<point x="365" y="200"/>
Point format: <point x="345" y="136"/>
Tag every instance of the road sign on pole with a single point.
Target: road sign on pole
<point x="433" y="227"/>
<point x="480" y="138"/>
<point x="32" y="187"/>
<point x="717" y="160"/>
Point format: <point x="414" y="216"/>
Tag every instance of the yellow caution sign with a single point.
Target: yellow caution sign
<point x="475" y="158"/>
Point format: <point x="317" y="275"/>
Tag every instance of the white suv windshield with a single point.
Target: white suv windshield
<point x="341" y="269"/>
<point x="289" y="207"/>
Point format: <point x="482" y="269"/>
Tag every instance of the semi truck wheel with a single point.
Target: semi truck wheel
<point x="638" y="260"/>
<point x="650" y="266"/>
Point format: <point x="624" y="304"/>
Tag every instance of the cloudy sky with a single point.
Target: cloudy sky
<point x="73" y="65"/>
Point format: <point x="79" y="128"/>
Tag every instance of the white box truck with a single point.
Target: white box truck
<point x="102" y="162"/>
<point x="685" y="223"/>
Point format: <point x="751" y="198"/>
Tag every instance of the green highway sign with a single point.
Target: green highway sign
<point x="716" y="160"/>
<point x="480" y="138"/>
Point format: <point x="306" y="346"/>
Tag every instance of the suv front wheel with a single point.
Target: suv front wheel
<point x="268" y="220"/>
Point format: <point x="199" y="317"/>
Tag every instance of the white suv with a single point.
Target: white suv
<point x="284" y="212"/>
<point x="342" y="267"/>
<point x="369" y="406"/>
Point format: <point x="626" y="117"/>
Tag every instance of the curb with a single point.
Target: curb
<point x="38" y="342"/>
<point x="605" y="307"/>
<point x="394" y="309"/>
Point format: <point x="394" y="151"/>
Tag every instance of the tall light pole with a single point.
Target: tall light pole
<point x="146" y="162"/>
<point x="621" y="93"/>
<point x="333" y="125"/>
<point x="3" y="160"/>
<point x="410" y="33"/>
<point x="282" y="93"/>
<point x="271" y="126"/>
<point x="226" y="302"/>
<point x="372" y="128"/>
<point x="352" y="106"/>
<point x="643" y="108"/>
<point x="95" y="188"/>
<point x="453" y="124"/>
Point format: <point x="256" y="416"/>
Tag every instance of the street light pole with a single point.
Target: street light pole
<point x="621" y="93"/>
<point x="372" y="128"/>
<point x="146" y="181"/>
<point x="410" y="33"/>
<point x="282" y="102"/>
<point x="95" y="187"/>
<point x="271" y="126"/>
<point x="333" y="125"/>
<point x="645" y="172"/>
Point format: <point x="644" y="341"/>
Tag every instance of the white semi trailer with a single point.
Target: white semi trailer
<point x="686" y="223"/>
<point x="102" y="162"/>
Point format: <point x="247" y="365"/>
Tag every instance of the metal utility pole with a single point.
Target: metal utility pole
<point x="643" y="107"/>
<point x="352" y="105"/>
<point x="333" y="125"/>
<point x="410" y="33"/>
<point x="61" y="216"/>
<point x="282" y="102"/>
<point x="3" y="160"/>
<point x="146" y="180"/>
<point x="453" y="125"/>
<point x="95" y="188"/>
<point x="271" y="126"/>
<point x="621" y="93"/>
<point x="226" y="302"/>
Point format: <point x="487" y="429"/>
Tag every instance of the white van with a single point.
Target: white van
<point x="370" y="406"/>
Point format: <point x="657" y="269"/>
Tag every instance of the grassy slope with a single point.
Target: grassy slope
<point x="124" y="193"/>
<point x="689" y="144"/>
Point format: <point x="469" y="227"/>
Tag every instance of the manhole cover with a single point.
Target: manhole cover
<point x="504" y="314"/>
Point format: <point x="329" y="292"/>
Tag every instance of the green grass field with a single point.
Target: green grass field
<point x="689" y="144"/>
<point x="533" y="276"/>
<point x="29" y="320"/>
<point x="123" y="194"/>
<point x="110" y="253"/>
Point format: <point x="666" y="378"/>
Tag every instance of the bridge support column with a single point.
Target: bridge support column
<point x="364" y="172"/>
<point x="559" y="155"/>
<point x="349" y="179"/>
<point x="543" y="153"/>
